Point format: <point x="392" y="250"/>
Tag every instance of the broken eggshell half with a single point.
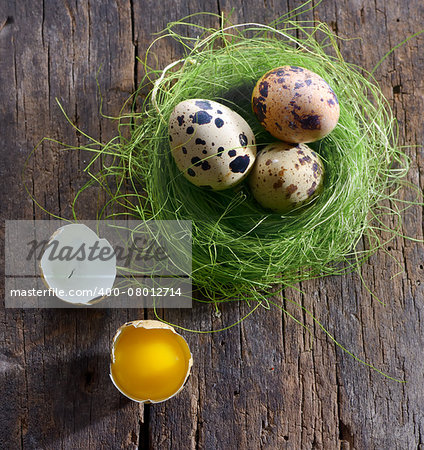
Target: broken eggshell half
<point x="149" y="361"/>
<point x="78" y="265"/>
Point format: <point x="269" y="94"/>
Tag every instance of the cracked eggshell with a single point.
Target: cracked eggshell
<point x="213" y="146"/>
<point x="295" y="104"/>
<point x="286" y="176"/>
<point x="66" y="266"/>
<point x="150" y="325"/>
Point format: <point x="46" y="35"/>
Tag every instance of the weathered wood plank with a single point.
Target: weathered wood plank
<point x="55" y="385"/>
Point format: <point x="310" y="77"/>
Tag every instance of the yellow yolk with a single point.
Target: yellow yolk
<point x="150" y="364"/>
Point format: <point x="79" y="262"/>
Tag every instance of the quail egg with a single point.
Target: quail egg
<point x="286" y="176"/>
<point x="212" y="145"/>
<point x="295" y="104"/>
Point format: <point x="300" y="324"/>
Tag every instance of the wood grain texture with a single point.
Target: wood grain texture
<point x="266" y="383"/>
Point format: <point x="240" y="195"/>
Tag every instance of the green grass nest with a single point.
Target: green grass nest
<point x="240" y="250"/>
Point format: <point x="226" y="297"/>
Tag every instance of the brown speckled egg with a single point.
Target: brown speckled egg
<point x="285" y="176"/>
<point x="212" y="145"/>
<point x="295" y="104"/>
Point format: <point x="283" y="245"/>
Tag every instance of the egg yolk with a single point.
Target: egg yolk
<point x="150" y="364"/>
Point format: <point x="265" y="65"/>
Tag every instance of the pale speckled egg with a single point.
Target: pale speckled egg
<point x="212" y="145"/>
<point x="295" y="104"/>
<point x="285" y="176"/>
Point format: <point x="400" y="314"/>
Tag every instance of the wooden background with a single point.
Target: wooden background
<point x="263" y="384"/>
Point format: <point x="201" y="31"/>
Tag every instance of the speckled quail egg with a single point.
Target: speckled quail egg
<point x="212" y="145"/>
<point x="295" y="104"/>
<point x="285" y="176"/>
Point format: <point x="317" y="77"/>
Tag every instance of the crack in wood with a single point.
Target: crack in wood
<point x="7" y="21"/>
<point x="144" y="437"/>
